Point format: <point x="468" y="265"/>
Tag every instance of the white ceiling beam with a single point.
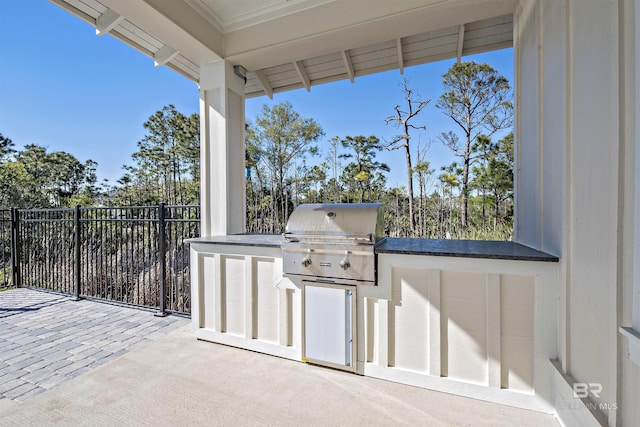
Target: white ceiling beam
<point x="400" y="55"/>
<point x="264" y="81"/>
<point x="164" y="55"/>
<point x="107" y="22"/>
<point x="460" y="43"/>
<point x="302" y="72"/>
<point x="348" y="65"/>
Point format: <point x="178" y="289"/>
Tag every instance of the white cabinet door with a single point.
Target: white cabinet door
<point x="328" y="323"/>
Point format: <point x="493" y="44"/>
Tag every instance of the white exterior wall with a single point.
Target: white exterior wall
<point x="576" y="188"/>
<point x="629" y="372"/>
<point x="632" y="155"/>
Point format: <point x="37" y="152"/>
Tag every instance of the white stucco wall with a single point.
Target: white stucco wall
<point x="576" y="188"/>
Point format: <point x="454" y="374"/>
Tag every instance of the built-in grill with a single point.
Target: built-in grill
<point x="333" y="242"/>
<point x="328" y="251"/>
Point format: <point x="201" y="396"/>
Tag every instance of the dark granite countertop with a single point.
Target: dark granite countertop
<point x="455" y="248"/>
<point x="264" y="240"/>
<point x="463" y="248"/>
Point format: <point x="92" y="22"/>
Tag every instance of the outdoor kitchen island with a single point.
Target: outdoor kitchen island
<point x="476" y="318"/>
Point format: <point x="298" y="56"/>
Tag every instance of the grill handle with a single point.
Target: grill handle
<point x="294" y="237"/>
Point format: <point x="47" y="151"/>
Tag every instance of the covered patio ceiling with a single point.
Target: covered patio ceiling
<point x="290" y="44"/>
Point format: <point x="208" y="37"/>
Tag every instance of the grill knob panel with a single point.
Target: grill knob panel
<point x="306" y="262"/>
<point x="345" y="264"/>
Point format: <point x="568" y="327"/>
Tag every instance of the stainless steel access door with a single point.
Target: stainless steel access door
<point x="329" y="325"/>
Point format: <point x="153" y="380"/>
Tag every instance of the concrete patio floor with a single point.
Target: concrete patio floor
<point x="177" y="380"/>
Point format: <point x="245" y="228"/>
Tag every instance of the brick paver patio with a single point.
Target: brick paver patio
<point x="47" y="339"/>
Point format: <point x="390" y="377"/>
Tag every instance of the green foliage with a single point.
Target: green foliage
<point x="167" y="164"/>
<point x="478" y="100"/>
<point x="276" y="148"/>
<point x="350" y="172"/>
<point x="33" y="178"/>
<point x="6" y="148"/>
<point x="363" y="178"/>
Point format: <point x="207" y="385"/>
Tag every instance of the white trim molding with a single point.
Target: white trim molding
<point x="634" y="343"/>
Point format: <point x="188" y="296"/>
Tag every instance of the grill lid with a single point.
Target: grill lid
<point x="359" y="221"/>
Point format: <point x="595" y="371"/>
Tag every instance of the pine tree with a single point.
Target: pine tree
<point x="478" y="100"/>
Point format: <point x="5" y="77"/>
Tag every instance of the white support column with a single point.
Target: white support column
<point x="222" y="193"/>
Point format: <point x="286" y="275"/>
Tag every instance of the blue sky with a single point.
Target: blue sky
<point x="65" y="88"/>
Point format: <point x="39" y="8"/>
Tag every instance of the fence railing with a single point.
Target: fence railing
<point x="5" y="248"/>
<point x="133" y="255"/>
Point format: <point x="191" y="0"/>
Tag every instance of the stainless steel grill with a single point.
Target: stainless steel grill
<point x="333" y="242"/>
<point x="328" y="250"/>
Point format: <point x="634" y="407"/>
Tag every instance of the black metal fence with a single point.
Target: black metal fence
<point x="5" y="248"/>
<point x="133" y="255"/>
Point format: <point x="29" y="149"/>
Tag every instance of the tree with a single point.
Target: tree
<point x="6" y="148"/>
<point x="37" y="179"/>
<point x="167" y="163"/>
<point x="68" y="179"/>
<point x="402" y="119"/>
<point x="364" y="173"/>
<point x="478" y="100"/>
<point x="16" y="187"/>
<point x="423" y="174"/>
<point x="449" y="180"/>
<point x="482" y="148"/>
<point x="312" y="183"/>
<point x="395" y="212"/>
<point x="333" y="163"/>
<point x="280" y="136"/>
<point x="500" y="174"/>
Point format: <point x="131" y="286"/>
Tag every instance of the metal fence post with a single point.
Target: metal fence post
<point x="15" y="248"/>
<point x="162" y="249"/>
<point x="76" y="249"/>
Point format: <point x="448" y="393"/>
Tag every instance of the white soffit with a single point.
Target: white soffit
<point x="229" y="16"/>
<point x="290" y="44"/>
<point x="480" y="36"/>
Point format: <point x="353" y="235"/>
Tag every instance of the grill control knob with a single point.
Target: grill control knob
<point x="306" y="262"/>
<point x="345" y="264"/>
